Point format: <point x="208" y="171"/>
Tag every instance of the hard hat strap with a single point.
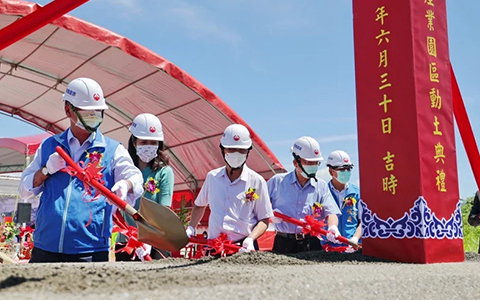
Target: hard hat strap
<point x="297" y="159"/>
<point x="80" y="118"/>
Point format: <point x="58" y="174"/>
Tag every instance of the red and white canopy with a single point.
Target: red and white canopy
<point x="35" y="71"/>
<point x="15" y="152"/>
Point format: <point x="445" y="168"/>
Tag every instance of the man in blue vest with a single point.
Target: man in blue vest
<point x="346" y="195"/>
<point x="70" y="227"/>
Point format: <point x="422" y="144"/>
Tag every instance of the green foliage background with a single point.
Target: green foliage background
<point x="470" y="233"/>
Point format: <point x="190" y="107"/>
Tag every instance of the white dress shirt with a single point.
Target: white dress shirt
<point x="230" y="212"/>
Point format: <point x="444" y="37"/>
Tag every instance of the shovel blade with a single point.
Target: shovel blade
<point x="160" y="227"/>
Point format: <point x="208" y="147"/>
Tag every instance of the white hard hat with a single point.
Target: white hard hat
<point x="85" y="93"/>
<point x="307" y="148"/>
<point x="236" y="136"/>
<point x="147" y="127"/>
<point x="339" y="158"/>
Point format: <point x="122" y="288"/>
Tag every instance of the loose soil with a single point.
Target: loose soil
<point x="260" y="275"/>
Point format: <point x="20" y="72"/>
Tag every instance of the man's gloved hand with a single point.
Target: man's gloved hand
<point x="143" y="251"/>
<point x="350" y="249"/>
<point x="120" y="188"/>
<point x="247" y="245"/>
<point x="332" y="234"/>
<point x="190" y="231"/>
<point x="55" y="163"/>
<point x="274" y="219"/>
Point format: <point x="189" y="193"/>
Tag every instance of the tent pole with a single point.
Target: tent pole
<point x="36" y="20"/>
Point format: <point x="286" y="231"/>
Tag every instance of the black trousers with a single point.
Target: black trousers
<point x="42" y="256"/>
<point x="284" y="245"/>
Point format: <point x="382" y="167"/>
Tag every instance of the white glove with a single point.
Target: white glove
<point x="121" y="189"/>
<point x="247" y="245"/>
<point x="332" y="234"/>
<point x="190" y="231"/>
<point x="141" y="252"/>
<point x="274" y="219"/>
<point x="55" y="163"/>
<point x="350" y="249"/>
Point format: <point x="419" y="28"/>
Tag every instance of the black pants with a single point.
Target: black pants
<point x="284" y="245"/>
<point x="42" y="256"/>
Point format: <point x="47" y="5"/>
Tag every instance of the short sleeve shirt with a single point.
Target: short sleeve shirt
<point x="231" y="212"/>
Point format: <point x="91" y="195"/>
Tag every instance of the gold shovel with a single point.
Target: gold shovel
<point x="157" y="225"/>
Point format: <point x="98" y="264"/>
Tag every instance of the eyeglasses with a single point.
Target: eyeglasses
<point x="310" y="163"/>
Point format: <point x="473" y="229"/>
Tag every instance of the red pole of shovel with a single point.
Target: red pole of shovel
<point x="95" y="184"/>
<point x="36" y="20"/>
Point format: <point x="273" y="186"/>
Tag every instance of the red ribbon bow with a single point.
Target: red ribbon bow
<point x="313" y="224"/>
<point x="131" y="232"/>
<point x="91" y="172"/>
<point x="26" y="230"/>
<point x="218" y="246"/>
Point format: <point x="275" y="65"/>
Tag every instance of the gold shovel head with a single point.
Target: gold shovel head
<point x="160" y="227"/>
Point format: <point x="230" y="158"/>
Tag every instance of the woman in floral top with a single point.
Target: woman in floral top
<point x="147" y="151"/>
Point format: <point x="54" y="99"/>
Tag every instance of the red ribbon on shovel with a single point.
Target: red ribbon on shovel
<point x="88" y="176"/>
<point x="314" y="227"/>
<point x="131" y="233"/>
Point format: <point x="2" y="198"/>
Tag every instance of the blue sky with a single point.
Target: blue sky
<point x="286" y="67"/>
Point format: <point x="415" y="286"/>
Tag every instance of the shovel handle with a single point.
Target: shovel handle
<point x="314" y="228"/>
<point x="95" y="184"/>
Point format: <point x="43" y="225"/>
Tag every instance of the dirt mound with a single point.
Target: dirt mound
<point x="304" y="258"/>
<point x="246" y="276"/>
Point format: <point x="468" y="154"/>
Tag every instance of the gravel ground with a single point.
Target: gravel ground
<point x="260" y="275"/>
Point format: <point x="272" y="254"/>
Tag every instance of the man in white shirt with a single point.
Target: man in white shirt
<point x="70" y="227"/>
<point x="238" y="196"/>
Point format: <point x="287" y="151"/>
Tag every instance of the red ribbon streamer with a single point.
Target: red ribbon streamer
<point x="90" y="172"/>
<point x="131" y="232"/>
<point x="465" y="129"/>
<point x="220" y="245"/>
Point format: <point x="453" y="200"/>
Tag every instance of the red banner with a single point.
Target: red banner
<point x="408" y="172"/>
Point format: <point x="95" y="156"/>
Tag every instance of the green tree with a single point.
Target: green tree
<point x="470" y="234"/>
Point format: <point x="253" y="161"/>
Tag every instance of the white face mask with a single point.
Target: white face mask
<point x="147" y="152"/>
<point x="235" y="159"/>
<point x="91" y="118"/>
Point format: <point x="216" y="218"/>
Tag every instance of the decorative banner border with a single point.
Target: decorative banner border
<point x="420" y="223"/>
